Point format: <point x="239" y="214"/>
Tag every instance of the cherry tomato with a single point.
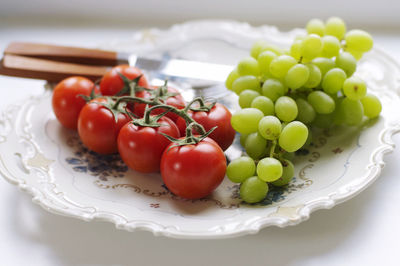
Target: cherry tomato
<point x="141" y="147"/>
<point x="66" y="100"/>
<point x="97" y="127"/>
<point x="112" y="83"/>
<point x="218" y="116"/>
<point x="175" y="101"/>
<point x="193" y="171"/>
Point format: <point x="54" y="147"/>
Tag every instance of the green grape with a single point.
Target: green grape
<point x="295" y="49"/>
<point x="309" y="138"/>
<point x="347" y="62"/>
<point x="333" y="80"/>
<point x="357" y="54"/>
<point x="245" y="121"/>
<point x="314" y="78"/>
<point x="246" y="97"/>
<point x="266" y="76"/>
<point x="287" y="174"/>
<point x="264" y="104"/>
<point x="352" y="111"/>
<point x="269" y="169"/>
<point x="316" y="26"/>
<point x="324" y="64"/>
<point x="336" y="27"/>
<point x="273" y="89"/>
<point x="257" y="48"/>
<point x="272" y="48"/>
<point x="255" y="145"/>
<point x="270" y="127"/>
<point x="261" y="46"/>
<point x="286" y="109"/>
<point x="297" y="76"/>
<point x="321" y="102"/>
<point x="330" y="46"/>
<point x="311" y="47"/>
<point x="359" y="40"/>
<point x="253" y="190"/>
<point x="246" y="83"/>
<point x="284" y="124"/>
<point x="243" y="138"/>
<point x="354" y="88"/>
<point x="240" y="169"/>
<point x="293" y="136"/>
<point x="289" y="155"/>
<point x="372" y="106"/>
<point x="231" y="78"/>
<point x="338" y="116"/>
<point x="281" y="64"/>
<point x="324" y="120"/>
<point x="248" y="66"/>
<point x="336" y="96"/>
<point x="306" y="112"/>
<point x="264" y="60"/>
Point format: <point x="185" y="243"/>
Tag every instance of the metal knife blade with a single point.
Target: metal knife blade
<point x="179" y="68"/>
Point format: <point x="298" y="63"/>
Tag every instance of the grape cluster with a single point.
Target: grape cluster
<point x="285" y="92"/>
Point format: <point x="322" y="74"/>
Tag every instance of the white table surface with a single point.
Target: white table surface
<point x="362" y="231"/>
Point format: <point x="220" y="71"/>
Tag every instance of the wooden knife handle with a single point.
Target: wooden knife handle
<point x="27" y="67"/>
<point x="63" y="53"/>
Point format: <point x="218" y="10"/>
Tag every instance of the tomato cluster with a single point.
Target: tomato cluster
<point x="153" y="129"/>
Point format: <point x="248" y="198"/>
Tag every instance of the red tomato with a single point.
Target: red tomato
<point x="138" y="108"/>
<point x="97" y="127"/>
<point x="66" y="102"/>
<point x="218" y="116"/>
<point x="193" y="171"/>
<point x="112" y="83"/>
<point x="141" y="147"/>
<point x="175" y="101"/>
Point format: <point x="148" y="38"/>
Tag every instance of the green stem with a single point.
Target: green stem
<point x="200" y="101"/>
<point x="133" y="99"/>
<point x="163" y="89"/>
<point x="132" y="91"/>
<point x="189" y="133"/>
<point x="272" y="151"/>
<point x="147" y="113"/>
<point x="157" y="104"/>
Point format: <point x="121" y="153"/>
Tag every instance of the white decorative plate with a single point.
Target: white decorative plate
<point x="49" y="162"/>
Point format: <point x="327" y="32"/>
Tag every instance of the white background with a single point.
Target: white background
<point x="362" y="231"/>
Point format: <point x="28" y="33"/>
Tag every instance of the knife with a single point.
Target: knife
<point x="54" y="62"/>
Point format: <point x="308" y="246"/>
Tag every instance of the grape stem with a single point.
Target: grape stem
<point x="271" y="152"/>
